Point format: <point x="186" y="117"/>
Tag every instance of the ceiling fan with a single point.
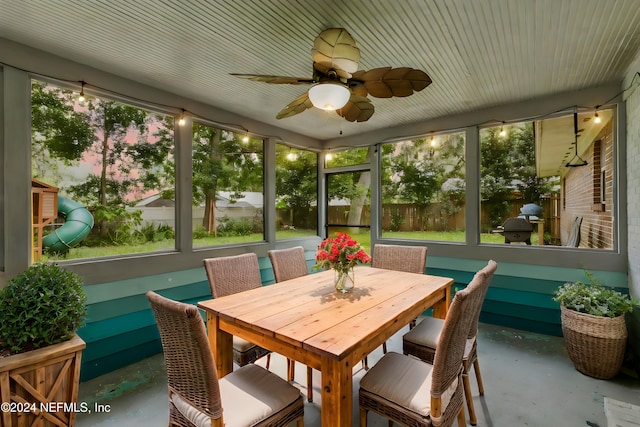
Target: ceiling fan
<point x="339" y="86"/>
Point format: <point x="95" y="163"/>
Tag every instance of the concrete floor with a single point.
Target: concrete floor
<point x="528" y="379"/>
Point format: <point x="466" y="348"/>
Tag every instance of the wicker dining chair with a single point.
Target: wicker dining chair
<point x="229" y="275"/>
<point x="412" y="259"/>
<point x="289" y="264"/>
<point x="422" y="341"/>
<point x="408" y="391"/>
<point x="250" y="396"/>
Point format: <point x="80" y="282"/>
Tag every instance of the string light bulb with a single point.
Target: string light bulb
<point x="181" y="120"/>
<point x="81" y="96"/>
<point x="597" y="118"/>
<point x="503" y="132"/>
<point x="291" y="156"/>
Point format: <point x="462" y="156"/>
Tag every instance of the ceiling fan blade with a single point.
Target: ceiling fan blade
<point x="335" y="49"/>
<point x="296" y="106"/>
<point x="386" y="82"/>
<point x="357" y="88"/>
<point x="358" y="109"/>
<point x="274" y="79"/>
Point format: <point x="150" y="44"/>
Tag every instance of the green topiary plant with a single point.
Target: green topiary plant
<point x="594" y="298"/>
<point x="43" y="305"/>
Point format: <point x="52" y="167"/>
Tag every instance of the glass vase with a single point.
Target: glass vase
<point x="344" y="280"/>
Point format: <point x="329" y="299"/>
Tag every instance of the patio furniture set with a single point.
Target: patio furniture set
<point x="303" y="318"/>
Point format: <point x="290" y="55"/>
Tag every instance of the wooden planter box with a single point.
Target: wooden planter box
<point x="40" y="387"/>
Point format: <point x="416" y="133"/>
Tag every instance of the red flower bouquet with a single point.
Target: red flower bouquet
<point x="340" y="253"/>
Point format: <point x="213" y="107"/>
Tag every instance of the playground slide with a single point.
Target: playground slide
<point x="77" y="225"/>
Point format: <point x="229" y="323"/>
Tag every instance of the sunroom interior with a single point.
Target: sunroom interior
<point x="545" y="68"/>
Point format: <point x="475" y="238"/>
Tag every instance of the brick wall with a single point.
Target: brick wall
<point x="582" y="195"/>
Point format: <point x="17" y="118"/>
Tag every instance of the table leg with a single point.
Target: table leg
<point x="337" y="392"/>
<point x="441" y="307"/>
<point x="221" y="344"/>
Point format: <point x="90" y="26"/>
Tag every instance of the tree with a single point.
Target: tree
<point x="507" y="168"/>
<point x="496" y="177"/>
<point x="124" y="154"/>
<point x="297" y="183"/>
<point x="221" y="161"/>
<point x="416" y="177"/>
<point x="530" y="186"/>
<point x="57" y="130"/>
<point x="449" y="153"/>
<point x="423" y="172"/>
<point x="352" y="186"/>
<point x="111" y="135"/>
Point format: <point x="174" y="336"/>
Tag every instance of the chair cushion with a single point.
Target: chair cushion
<point x="249" y="395"/>
<point x="404" y="381"/>
<point x="190" y="412"/>
<point x="425" y="333"/>
<point x="252" y="393"/>
<point x="241" y="345"/>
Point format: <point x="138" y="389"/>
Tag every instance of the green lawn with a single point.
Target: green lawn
<point x="361" y="235"/>
<point x="164" y="245"/>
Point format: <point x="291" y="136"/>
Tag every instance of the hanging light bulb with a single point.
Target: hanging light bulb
<point x="81" y="96"/>
<point x="433" y="143"/>
<point x="291" y="156"/>
<point x="503" y="132"/>
<point x="245" y="138"/>
<point x="597" y="118"/>
<point x="181" y="120"/>
<point x="328" y="156"/>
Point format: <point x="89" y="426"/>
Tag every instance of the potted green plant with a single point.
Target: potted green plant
<point x="593" y="325"/>
<point x="40" y="353"/>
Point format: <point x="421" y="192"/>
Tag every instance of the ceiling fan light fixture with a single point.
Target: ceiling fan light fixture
<point x="329" y="95"/>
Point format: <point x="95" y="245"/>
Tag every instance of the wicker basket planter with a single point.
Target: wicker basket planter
<point x="595" y="344"/>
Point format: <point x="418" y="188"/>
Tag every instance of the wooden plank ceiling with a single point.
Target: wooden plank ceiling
<point x="478" y="53"/>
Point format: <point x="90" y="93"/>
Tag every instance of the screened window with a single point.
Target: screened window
<point x="553" y="178"/>
<point x="296" y="193"/>
<point x="349" y="205"/>
<point x="103" y="179"/>
<point x="228" y="187"/>
<point x="423" y="188"/>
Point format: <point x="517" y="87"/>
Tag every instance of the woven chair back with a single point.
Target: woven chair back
<point x="232" y="274"/>
<point x="288" y="263"/>
<point x="447" y="364"/>
<point x="411" y="259"/>
<point x="190" y="367"/>
<point x="485" y="280"/>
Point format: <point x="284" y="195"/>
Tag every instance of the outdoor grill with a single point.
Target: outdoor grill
<point x="517" y="230"/>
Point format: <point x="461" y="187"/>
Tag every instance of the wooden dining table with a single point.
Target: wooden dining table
<point x="307" y="320"/>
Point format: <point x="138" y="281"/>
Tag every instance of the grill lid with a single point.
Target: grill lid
<point x="517" y="224"/>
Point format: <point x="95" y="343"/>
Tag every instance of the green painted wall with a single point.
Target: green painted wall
<point x="120" y="328"/>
